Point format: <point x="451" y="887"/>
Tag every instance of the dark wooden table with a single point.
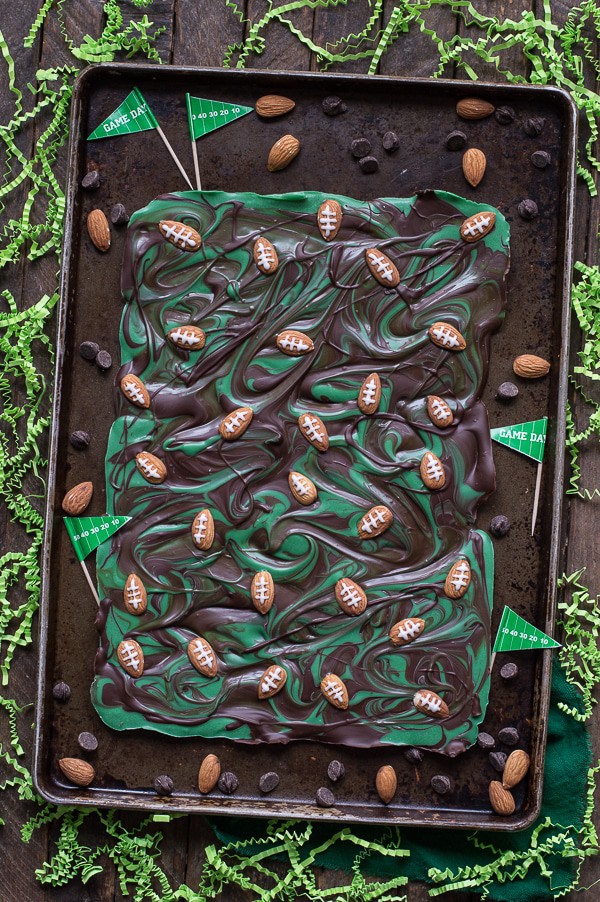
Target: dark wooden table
<point x="197" y="33"/>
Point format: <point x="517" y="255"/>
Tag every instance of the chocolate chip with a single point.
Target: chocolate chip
<point x="91" y="180"/>
<point x="499" y="526"/>
<point x="507" y="391"/>
<point x="534" y="126"/>
<point x="505" y="115"/>
<point x="497" y="760"/>
<point x="268" y="782"/>
<point x="441" y="784"/>
<point x="61" y="691"/>
<point x="456" y="140"/>
<point x="509" y="671"/>
<point x="87" y="742"/>
<point x="390" y="142"/>
<point x="119" y="215"/>
<point x="333" y="106"/>
<point x="89" y="349"/>
<point x="540" y="159"/>
<point x="80" y="439"/>
<point x="335" y="770"/>
<point x="527" y="209"/>
<point x="228" y="782"/>
<point x="163" y="785"/>
<point x="360" y="147"/>
<point x="413" y="756"/>
<point x="324" y="797"/>
<point x="103" y="360"/>
<point x="486" y="742"/>
<point x="509" y="736"/>
<point x="369" y="164"/>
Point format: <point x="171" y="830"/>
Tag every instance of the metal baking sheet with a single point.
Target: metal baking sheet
<point x="133" y="171"/>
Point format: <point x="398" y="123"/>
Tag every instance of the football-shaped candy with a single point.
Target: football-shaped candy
<point x="432" y="471"/>
<point x="203" y="529"/>
<point x="272" y="681"/>
<point x="382" y="268"/>
<point x="429" y="702"/>
<point x="294" y="343"/>
<point x="190" y="338"/>
<point x="329" y="219"/>
<point x="313" y="429"/>
<point x="235" y="423"/>
<point x="265" y="256"/>
<point x="134" y="595"/>
<point x="151" y="467"/>
<point x="179" y="234"/>
<point x="131" y="657"/>
<point x="478" y="226"/>
<point x="439" y="412"/>
<point x="375" y="521"/>
<point x="262" y="591"/>
<point x="335" y="691"/>
<point x="135" y="391"/>
<point x="350" y="596"/>
<point x="406" y="631"/>
<point x="446" y="336"/>
<point x="202" y="656"/>
<point x="369" y="395"/>
<point x="303" y="489"/>
<point x="458" y="579"/>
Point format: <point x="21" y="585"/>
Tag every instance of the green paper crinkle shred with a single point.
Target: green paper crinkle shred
<point x="557" y="53"/>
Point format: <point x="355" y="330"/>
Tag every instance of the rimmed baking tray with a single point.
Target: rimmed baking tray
<point x="135" y="169"/>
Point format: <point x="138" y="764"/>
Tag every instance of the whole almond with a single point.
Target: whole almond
<point x="77" y="499"/>
<point x="474" y="108"/>
<point x="473" y="164"/>
<point x="271" y="105"/>
<point x="77" y="771"/>
<point x="517" y="765"/>
<point x="98" y="230"/>
<point x="386" y="783"/>
<point x="529" y="366"/>
<point x="209" y="773"/>
<point x="501" y="799"/>
<point x="282" y="153"/>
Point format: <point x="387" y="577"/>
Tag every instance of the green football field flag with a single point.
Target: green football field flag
<point x="516" y="634"/>
<point x="526" y="438"/>
<point x="206" y="116"/>
<point x="133" y="115"/>
<point x="86" y="533"/>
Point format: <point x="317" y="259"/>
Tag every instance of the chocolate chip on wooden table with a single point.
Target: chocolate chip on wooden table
<point x="91" y="180"/>
<point x="360" y="147"/>
<point x="163" y="785"/>
<point x="527" y="209"/>
<point x="87" y="741"/>
<point x="324" y="797"/>
<point x="228" y="782"/>
<point x="368" y="164"/>
<point x="497" y="760"/>
<point x="486" y="742"/>
<point x="268" y="782"/>
<point x="509" y="671"/>
<point x="534" y="126"/>
<point x="103" y="360"/>
<point x="456" y="140"/>
<point x="80" y="439"/>
<point x="89" y="350"/>
<point x="540" y="159"/>
<point x="413" y="756"/>
<point x="390" y="142"/>
<point x="505" y="115"/>
<point x="507" y="391"/>
<point x="61" y="691"/>
<point x="499" y="526"/>
<point x="509" y="736"/>
<point x="333" y="106"/>
<point x="335" y="770"/>
<point x="441" y="784"/>
<point x="119" y="215"/>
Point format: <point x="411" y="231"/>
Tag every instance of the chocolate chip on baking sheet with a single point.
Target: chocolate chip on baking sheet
<point x="324" y="797"/>
<point x="497" y="760"/>
<point x="335" y="770"/>
<point x="103" y="360"/>
<point x="509" y="671"/>
<point x="80" y="439"/>
<point x="390" y="142"/>
<point x="499" y="526"/>
<point x="441" y="784"/>
<point x="413" y="756"/>
<point x="163" y="785"/>
<point x="119" y="215"/>
<point x="268" y="782"/>
<point x="228" y="782"/>
<point x="89" y="349"/>
<point x="360" y="147"/>
<point x="87" y="741"/>
<point x="456" y="140"/>
<point x="333" y="106"/>
<point x="368" y="164"/>
<point x="61" y="691"/>
<point x="509" y="736"/>
<point x="505" y="115"/>
<point x="527" y="209"/>
<point x="540" y="159"/>
<point x="486" y="742"/>
<point x="91" y="180"/>
<point x="507" y="391"/>
<point x="534" y="126"/>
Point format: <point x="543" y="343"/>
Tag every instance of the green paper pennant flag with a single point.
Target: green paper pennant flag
<point x="206" y="116"/>
<point x="526" y="438"/>
<point x="134" y="115"/>
<point x="516" y="634"/>
<point x="86" y="533"/>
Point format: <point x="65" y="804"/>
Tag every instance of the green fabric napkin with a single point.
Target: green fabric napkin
<point x="515" y="867"/>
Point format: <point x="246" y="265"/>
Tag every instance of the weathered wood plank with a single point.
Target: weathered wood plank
<point x="343" y="21"/>
<point x="511" y="59"/>
<point x="414" y="54"/>
<point x="202" y="33"/>
<point x="283" y="50"/>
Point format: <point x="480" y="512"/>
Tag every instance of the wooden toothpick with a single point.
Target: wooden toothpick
<point x="90" y="583"/>
<point x="196" y="166"/>
<point x="174" y="155"/>
<point x="536" y="497"/>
